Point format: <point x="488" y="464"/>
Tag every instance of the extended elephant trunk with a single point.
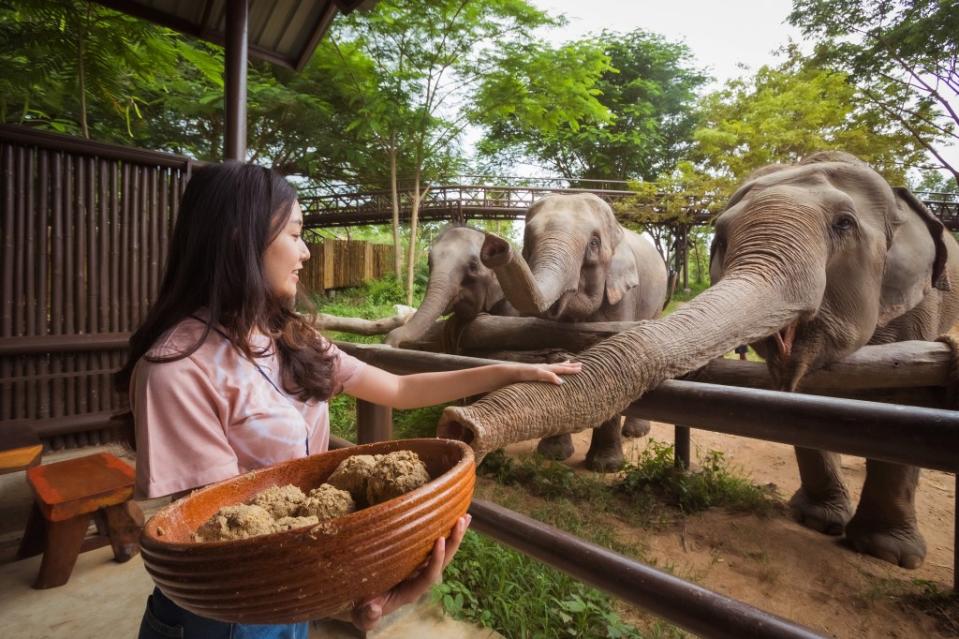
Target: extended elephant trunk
<point x="521" y="287"/>
<point x="749" y="304"/>
<point x="438" y="298"/>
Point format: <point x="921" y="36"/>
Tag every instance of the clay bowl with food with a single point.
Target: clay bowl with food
<point x="314" y="571"/>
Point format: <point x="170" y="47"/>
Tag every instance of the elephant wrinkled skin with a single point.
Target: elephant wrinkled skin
<point x="580" y="265"/>
<point x="810" y="262"/>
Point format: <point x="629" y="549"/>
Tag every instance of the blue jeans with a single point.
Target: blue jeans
<point x="163" y="619"/>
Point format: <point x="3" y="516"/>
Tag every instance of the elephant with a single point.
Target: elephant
<point x="809" y="263"/>
<point x="580" y="265"/>
<point x="459" y="283"/>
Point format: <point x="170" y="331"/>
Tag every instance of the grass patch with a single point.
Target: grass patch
<point x="713" y="484"/>
<point x="517" y="596"/>
<point x="943" y="606"/>
<point x="542" y="477"/>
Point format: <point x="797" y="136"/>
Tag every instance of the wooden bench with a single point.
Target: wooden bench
<point x="67" y="495"/>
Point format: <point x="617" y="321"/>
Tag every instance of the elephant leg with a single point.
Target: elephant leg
<point x="636" y="427"/>
<point x="558" y="447"/>
<point x="822" y="501"/>
<point x="605" y="453"/>
<point x="885" y="523"/>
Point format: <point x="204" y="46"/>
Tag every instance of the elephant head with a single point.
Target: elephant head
<point x="579" y="258"/>
<point x="810" y="261"/>
<point x="459" y="283"/>
<point x="880" y="253"/>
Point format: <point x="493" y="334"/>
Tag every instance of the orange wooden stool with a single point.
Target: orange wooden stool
<point x="68" y="494"/>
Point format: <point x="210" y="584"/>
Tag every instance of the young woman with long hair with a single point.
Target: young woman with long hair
<point x="224" y="376"/>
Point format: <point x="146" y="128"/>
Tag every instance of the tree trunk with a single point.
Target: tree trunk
<point x="395" y="201"/>
<point x="81" y="75"/>
<point x="411" y="255"/>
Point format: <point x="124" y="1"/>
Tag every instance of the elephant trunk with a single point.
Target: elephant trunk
<point x="439" y="296"/>
<point x="765" y="292"/>
<point x="519" y="286"/>
<point x="531" y="292"/>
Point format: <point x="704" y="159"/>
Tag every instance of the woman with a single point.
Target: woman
<point x="224" y="376"/>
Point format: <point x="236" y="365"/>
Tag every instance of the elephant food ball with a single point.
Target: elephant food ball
<point x="352" y="475"/>
<point x="395" y="474"/>
<point x="280" y="501"/>
<point x="236" y="522"/>
<point x="289" y="523"/>
<point x="327" y="502"/>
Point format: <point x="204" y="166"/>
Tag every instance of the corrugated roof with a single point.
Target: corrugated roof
<point x="282" y="31"/>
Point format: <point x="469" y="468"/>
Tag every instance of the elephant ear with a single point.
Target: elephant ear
<point x="623" y="272"/>
<point x="916" y="261"/>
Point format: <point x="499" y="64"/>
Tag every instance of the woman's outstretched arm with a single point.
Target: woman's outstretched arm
<point x="378" y="386"/>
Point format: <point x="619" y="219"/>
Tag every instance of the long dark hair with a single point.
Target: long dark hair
<point x="229" y="214"/>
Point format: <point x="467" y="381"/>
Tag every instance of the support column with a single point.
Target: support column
<point x="237" y="24"/>
<point x="374" y="423"/>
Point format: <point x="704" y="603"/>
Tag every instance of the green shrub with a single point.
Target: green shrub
<point x="713" y="484"/>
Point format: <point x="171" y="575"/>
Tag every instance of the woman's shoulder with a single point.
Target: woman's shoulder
<point x="182" y="338"/>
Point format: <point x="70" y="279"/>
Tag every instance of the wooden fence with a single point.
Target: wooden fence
<point x="341" y="263"/>
<point x="85" y="228"/>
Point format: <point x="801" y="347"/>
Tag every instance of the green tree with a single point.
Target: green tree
<point x="783" y="113"/>
<point x="95" y="65"/>
<point x="902" y="54"/>
<point x="434" y="53"/>
<point x="647" y="91"/>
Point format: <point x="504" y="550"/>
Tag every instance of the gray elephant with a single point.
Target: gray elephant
<point x="810" y="262"/>
<point x="459" y="283"/>
<point x="580" y="265"/>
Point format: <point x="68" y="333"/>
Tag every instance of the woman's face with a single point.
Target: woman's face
<point x="284" y="256"/>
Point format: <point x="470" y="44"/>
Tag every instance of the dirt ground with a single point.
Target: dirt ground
<point x="781" y="567"/>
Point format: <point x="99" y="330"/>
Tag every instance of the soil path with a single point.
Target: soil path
<point x="779" y="566"/>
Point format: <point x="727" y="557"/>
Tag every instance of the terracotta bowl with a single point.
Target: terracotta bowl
<point x="315" y="571"/>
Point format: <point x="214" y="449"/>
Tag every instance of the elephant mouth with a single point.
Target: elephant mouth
<point x="784" y="339"/>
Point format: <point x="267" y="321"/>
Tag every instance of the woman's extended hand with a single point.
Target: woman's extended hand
<point x="367" y="613"/>
<point x="549" y="373"/>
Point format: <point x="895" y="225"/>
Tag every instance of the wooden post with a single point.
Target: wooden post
<point x="237" y="24"/>
<point x="374" y="423"/>
<point x="681" y="447"/>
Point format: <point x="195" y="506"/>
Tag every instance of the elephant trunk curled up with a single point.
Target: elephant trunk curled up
<point x="751" y="302"/>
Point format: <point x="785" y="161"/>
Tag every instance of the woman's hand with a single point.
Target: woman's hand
<point x="367" y="613"/>
<point x="549" y="373"/>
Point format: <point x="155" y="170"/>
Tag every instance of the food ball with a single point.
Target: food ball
<point x="236" y="522"/>
<point x="289" y="523"/>
<point x="395" y="474"/>
<point x="280" y="501"/>
<point x="327" y="502"/>
<point x="352" y="474"/>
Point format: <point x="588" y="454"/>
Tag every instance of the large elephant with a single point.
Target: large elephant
<point x="810" y="262"/>
<point x="580" y="265"/>
<point x="459" y="283"/>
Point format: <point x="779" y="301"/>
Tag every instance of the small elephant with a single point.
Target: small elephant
<point x="459" y="283"/>
<point x="580" y="265"/>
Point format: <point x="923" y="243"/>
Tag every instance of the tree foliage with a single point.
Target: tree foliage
<point x="903" y="56"/>
<point x="784" y="113"/>
<point x="645" y="87"/>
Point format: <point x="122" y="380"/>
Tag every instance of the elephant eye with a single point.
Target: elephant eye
<point x="594" y="242"/>
<point x="844" y="223"/>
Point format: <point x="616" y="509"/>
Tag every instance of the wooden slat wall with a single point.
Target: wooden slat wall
<point x="85" y="234"/>
<point x="342" y="263"/>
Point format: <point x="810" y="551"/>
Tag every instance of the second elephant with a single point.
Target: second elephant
<point x="580" y="265"/>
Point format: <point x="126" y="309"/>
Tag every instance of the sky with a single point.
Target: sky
<point x="721" y="35"/>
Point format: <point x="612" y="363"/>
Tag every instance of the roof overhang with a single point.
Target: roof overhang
<point x="284" y="32"/>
